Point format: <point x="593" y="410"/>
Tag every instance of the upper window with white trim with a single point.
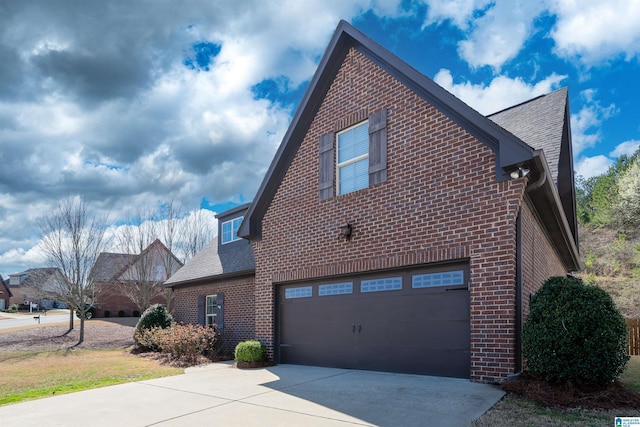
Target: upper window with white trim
<point x="353" y="158"/>
<point x="230" y="230"/>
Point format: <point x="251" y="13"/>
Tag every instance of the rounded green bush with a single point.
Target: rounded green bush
<point x="155" y="316"/>
<point x="574" y="333"/>
<point x="250" y="351"/>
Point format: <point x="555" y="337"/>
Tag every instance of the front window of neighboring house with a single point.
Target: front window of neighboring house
<point x="212" y="306"/>
<point x="230" y="230"/>
<point x="353" y="158"/>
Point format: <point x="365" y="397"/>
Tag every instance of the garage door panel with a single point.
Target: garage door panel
<point x="423" y="331"/>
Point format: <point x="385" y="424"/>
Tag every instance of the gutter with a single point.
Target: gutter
<point x="546" y="202"/>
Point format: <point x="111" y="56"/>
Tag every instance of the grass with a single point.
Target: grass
<point x="33" y="375"/>
<point x="631" y="376"/>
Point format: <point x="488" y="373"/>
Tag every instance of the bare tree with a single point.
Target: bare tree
<point x="154" y="262"/>
<point x="196" y="232"/>
<point x="72" y="237"/>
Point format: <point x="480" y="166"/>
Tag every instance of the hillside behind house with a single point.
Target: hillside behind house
<point x="608" y="207"/>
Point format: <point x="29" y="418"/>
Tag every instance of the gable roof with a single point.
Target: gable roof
<point x="510" y="150"/>
<point x="540" y="123"/>
<point x="108" y="265"/>
<point x="237" y="259"/>
<point x="36" y="275"/>
<point x="5" y="288"/>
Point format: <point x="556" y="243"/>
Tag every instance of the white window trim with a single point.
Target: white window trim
<point x="234" y="234"/>
<point x="350" y="161"/>
<point x="208" y="315"/>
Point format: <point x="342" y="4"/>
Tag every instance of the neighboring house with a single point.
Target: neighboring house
<point x="397" y="229"/>
<point x="217" y="285"/>
<point x="5" y="294"/>
<point x="30" y="286"/>
<point x="120" y="278"/>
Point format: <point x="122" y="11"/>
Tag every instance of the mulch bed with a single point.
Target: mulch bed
<point x="613" y="396"/>
<point x="254" y="365"/>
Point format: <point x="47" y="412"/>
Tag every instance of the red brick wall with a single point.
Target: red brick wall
<point x="110" y="299"/>
<point x="441" y="202"/>
<point x="539" y="259"/>
<point x="239" y="308"/>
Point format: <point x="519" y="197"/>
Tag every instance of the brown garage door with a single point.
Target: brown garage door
<point x="410" y="321"/>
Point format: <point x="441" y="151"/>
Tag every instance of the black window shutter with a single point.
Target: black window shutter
<point x="220" y="311"/>
<point x="201" y="308"/>
<point x="378" y="147"/>
<point x="327" y="160"/>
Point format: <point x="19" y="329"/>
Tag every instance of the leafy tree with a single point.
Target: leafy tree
<point x="628" y="205"/>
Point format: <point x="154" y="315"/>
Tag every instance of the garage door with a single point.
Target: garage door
<point x="410" y="321"/>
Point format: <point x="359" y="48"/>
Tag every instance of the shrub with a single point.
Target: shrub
<point x="185" y="342"/>
<point x="574" y="333"/>
<point x="250" y="351"/>
<point x="120" y="313"/>
<point x="107" y="313"/>
<point x="155" y="316"/>
<point x="136" y="313"/>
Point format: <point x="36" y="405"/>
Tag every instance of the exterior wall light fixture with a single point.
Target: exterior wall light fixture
<point x="346" y="230"/>
<point x="519" y="173"/>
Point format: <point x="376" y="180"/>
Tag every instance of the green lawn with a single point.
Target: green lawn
<point x="33" y="375"/>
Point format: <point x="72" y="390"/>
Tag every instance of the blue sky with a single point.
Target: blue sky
<point x="136" y="103"/>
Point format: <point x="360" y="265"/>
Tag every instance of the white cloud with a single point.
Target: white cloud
<point x="592" y="166"/>
<point x="586" y="123"/>
<point x="498" y="36"/>
<point x="459" y="12"/>
<point x="500" y="93"/>
<point x="625" y="148"/>
<point x="593" y="31"/>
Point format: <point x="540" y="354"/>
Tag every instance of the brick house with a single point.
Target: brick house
<point x="398" y="229"/>
<point x="5" y="294"/>
<point x="216" y="286"/>
<point x="451" y="220"/>
<point x="120" y="279"/>
<point x="36" y="286"/>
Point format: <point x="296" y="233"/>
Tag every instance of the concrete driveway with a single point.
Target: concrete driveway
<point x="284" y="395"/>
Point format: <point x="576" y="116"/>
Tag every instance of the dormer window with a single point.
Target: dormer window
<point x="230" y="230"/>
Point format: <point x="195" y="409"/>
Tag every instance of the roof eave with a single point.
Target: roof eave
<point x="213" y="277"/>
<point x="546" y="201"/>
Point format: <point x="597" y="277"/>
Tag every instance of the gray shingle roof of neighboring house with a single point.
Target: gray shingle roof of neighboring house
<point x="540" y="123"/>
<point x="235" y="259"/>
<point x="36" y="275"/>
<point x="108" y="265"/>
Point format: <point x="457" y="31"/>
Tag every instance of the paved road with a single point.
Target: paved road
<point x="19" y="320"/>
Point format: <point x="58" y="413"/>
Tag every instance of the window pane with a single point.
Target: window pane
<point x="376" y="285"/>
<point x="226" y="232"/>
<point x="230" y="230"/>
<point x="353" y="143"/>
<point x="445" y="278"/>
<point x="211" y="304"/>
<point x="354" y="176"/>
<point x="335" y="289"/>
<point x="302" y="292"/>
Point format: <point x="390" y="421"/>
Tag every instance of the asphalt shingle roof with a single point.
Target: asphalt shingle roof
<point x="235" y="258"/>
<point x="539" y="123"/>
<point x="109" y="264"/>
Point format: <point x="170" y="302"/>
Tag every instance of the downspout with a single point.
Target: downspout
<point x="519" y="270"/>
<point x="518" y="325"/>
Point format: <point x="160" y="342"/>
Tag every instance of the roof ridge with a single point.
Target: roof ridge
<point x="563" y="88"/>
